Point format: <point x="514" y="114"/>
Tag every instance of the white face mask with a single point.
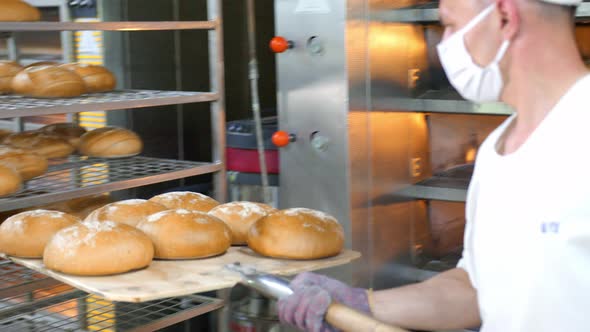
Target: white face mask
<point x="473" y="82"/>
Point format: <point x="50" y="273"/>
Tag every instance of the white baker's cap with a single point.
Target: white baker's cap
<point x="564" y="2"/>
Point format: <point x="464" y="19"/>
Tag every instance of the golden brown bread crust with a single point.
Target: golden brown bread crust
<point x="96" y="78"/>
<point x="27" y="233"/>
<point x="18" y="11"/>
<point x="240" y="216"/>
<point x="110" y="142"/>
<point x="68" y="131"/>
<point x="97" y="249"/>
<point x="10" y="180"/>
<point x="43" y="64"/>
<point x="183" y="234"/>
<point x="26" y="163"/>
<point x="130" y="212"/>
<point x="186" y="200"/>
<point x="8" y="70"/>
<point x="48" y="82"/>
<point x="297" y="234"/>
<point x="40" y="143"/>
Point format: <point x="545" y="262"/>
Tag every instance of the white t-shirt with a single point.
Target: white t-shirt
<point x="527" y="240"/>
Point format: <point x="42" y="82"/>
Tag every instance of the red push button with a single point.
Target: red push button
<point x="280" y="44"/>
<point x="282" y="138"/>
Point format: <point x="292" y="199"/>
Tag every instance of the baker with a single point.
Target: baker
<point x="526" y="259"/>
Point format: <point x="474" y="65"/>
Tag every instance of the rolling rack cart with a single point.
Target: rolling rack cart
<point x="34" y="302"/>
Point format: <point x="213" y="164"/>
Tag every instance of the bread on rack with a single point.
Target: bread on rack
<point x="40" y="143"/>
<point x="8" y="70"/>
<point x="130" y="212"/>
<point x="68" y="131"/>
<point x="93" y="248"/>
<point x="96" y="78"/>
<point x="10" y="180"/>
<point x="26" y="234"/>
<point x="29" y="165"/>
<point x="297" y="234"/>
<point x="110" y="142"/>
<point x="48" y="82"/>
<point x="18" y="11"/>
<point x="186" y="200"/>
<point x="184" y="234"/>
<point x="240" y="216"/>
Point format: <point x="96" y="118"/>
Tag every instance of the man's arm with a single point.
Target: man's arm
<point x="447" y="301"/>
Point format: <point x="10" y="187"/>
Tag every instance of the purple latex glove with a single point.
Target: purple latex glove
<point x="313" y="294"/>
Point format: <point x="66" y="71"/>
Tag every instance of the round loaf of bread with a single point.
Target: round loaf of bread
<point x="10" y="180"/>
<point x="110" y="142"/>
<point x="96" y="78"/>
<point x="297" y="234"/>
<point x="129" y="212"/>
<point x="48" y="82"/>
<point x="8" y="70"/>
<point x="40" y="143"/>
<point x="93" y="248"/>
<point x="26" y="234"/>
<point x="18" y="11"/>
<point x="184" y="234"/>
<point x="27" y="164"/>
<point x="186" y="200"/>
<point x="240" y="216"/>
<point x="68" y="131"/>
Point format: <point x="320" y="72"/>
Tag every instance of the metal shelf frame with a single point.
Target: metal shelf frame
<point x="108" y="26"/>
<point x="428" y="13"/>
<point x="17" y="106"/>
<point x="82" y="176"/>
<point x="450" y="186"/>
<point x="41" y="306"/>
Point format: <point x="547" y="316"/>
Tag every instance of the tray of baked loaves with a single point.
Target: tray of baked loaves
<point x="173" y="244"/>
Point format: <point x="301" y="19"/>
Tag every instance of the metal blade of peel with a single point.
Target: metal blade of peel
<point x="266" y="284"/>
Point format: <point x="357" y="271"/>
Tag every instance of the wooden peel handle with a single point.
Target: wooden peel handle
<point x="350" y="320"/>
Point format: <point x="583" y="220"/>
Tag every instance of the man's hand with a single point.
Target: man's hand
<point x="313" y="294"/>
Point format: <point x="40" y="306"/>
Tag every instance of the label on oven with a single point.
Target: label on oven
<point x="313" y="6"/>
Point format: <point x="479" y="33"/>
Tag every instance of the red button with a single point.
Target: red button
<point x="279" y="44"/>
<point x="281" y="138"/>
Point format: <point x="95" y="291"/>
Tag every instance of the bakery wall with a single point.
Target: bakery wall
<point x="152" y="60"/>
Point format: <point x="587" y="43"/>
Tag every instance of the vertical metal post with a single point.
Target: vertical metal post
<point x="13" y="54"/>
<point x="217" y="79"/>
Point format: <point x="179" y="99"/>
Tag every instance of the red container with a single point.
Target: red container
<point x="246" y="161"/>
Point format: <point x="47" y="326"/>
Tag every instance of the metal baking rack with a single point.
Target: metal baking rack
<point x="80" y="176"/>
<point x="42" y="307"/>
<point x="34" y="302"/>
<point x="450" y="185"/>
<point x="13" y="106"/>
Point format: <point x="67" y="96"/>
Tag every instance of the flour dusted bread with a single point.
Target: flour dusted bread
<point x="297" y="234"/>
<point x="10" y="180"/>
<point x="26" y="234"/>
<point x="27" y="164"/>
<point x="48" y="82"/>
<point x="184" y="234"/>
<point x="110" y="142"/>
<point x="18" y="11"/>
<point x="68" y="131"/>
<point x="130" y="212"/>
<point x="96" y="78"/>
<point x="240" y="216"/>
<point x="95" y="248"/>
<point x="8" y="70"/>
<point x="186" y="200"/>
